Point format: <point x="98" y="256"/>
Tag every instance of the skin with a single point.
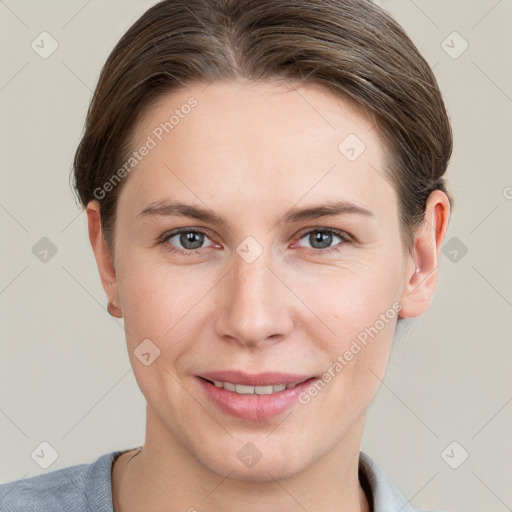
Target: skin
<point x="250" y="152"/>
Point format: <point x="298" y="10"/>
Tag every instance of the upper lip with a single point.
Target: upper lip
<point x="259" y="379"/>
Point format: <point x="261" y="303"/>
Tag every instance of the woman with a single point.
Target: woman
<point x="263" y="182"/>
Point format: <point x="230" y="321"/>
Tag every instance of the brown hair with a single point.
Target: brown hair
<point x="353" y="48"/>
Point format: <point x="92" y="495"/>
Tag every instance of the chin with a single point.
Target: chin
<point x="262" y="471"/>
<point x="251" y="464"/>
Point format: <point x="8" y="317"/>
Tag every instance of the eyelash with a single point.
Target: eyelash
<point x="345" y="238"/>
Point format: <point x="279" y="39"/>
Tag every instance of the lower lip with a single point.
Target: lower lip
<point x="253" y="407"/>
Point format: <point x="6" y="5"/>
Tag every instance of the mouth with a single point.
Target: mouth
<point x="254" y="397"/>
<point x="244" y="389"/>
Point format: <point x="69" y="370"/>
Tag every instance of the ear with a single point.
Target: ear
<point x="103" y="257"/>
<point x="420" y="278"/>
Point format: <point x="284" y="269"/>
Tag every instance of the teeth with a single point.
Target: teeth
<point x="264" y="390"/>
<point x="229" y="386"/>
<point x="242" y="389"/>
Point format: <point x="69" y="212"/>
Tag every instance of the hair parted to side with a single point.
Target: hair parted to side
<point x="352" y="48"/>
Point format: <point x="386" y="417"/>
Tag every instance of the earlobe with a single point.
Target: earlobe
<point x="112" y="308"/>
<point x="103" y="257"/>
<point x="420" y="276"/>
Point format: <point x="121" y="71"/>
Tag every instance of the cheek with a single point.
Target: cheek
<point x="354" y="325"/>
<point x="158" y="302"/>
<point x="357" y="354"/>
<point x="351" y="301"/>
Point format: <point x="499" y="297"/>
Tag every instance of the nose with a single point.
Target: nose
<point x="254" y="304"/>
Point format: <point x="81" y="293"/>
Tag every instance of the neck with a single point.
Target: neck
<point x="163" y="476"/>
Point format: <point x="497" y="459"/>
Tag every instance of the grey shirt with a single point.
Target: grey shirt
<point x="88" y="488"/>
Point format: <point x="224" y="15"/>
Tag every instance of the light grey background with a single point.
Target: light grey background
<point x="65" y="377"/>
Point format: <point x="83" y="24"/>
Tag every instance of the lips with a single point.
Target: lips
<point x="253" y="397"/>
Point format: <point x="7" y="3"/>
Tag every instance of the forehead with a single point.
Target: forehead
<point x="258" y="141"/>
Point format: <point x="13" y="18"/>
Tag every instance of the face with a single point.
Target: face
<point x="283" y="265"/>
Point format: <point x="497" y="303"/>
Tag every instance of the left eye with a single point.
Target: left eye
<point x="323" y="238"/>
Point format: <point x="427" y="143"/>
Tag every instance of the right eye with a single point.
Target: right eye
<point x="191" y="240"/>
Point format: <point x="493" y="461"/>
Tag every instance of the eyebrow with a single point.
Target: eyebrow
<point x="295" y="214"/>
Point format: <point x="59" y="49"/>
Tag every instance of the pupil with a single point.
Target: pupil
<point x="323" y="238"/>
<point x="191" y="240"/>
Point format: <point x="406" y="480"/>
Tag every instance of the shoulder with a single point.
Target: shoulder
<point x="79" y="488"/>
<point x="382" y="491"/>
